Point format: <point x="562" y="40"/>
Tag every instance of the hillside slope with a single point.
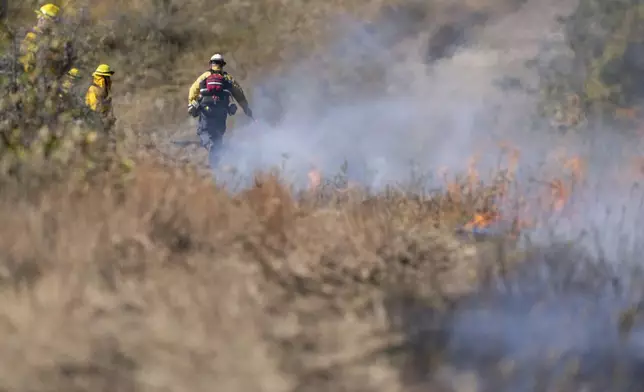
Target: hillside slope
<point x="156" y="279"/>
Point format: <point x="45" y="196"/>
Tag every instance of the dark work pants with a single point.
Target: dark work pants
<point x="211" y="131"/>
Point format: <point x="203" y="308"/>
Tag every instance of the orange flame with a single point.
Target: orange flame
<point x="482" y="220"/>
<point x="627" y="113"/>
<point x="560" y="194"/>
<point x="315" y="178"/>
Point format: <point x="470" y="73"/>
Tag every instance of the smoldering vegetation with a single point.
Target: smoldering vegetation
<point x="370" y="102"/>
<point x="167" y="283"/>
<point x="154" y="278"/>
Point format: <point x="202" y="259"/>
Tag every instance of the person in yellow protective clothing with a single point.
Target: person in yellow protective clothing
<point x="70" y="80"/>
<point x="99" y="98"/>
<point x="46" y="46"/>
<point x="209" y="100"/>
<point x="70" y="101"/>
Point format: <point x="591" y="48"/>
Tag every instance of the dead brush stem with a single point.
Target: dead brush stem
<point x="159" y="280"/>
<point x="166" y="282"/>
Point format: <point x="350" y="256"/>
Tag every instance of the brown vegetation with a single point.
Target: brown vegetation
<point x="167" y="283"/>
<point x="154" y="278"/>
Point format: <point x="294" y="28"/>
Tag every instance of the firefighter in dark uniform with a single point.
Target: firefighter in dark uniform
<point x="209" y="99"/>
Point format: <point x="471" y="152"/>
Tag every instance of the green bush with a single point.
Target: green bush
<point x="40" y="123"/>
<point x="606" y="38"/>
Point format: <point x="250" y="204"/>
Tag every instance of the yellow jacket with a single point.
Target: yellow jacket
<point x="236" y="91"/>
<point x="98" y="96"/>
<point x="69" y="81"/>
<point x="67" y="84"/>
<point x="28" y="50"/>
<point x="58" y="54"/>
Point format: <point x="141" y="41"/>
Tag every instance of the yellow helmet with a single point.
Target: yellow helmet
<point x="74" y="73"/>
<point x="103" y="70"/>
<point x="49" y="10"/>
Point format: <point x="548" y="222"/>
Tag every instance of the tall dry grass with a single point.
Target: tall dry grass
<point x="158" y="279"/>
<point x="162" y="281"/>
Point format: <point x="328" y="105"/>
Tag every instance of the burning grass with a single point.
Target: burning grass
<point x="476" y="201"/>
<point x="165" y="281"/>
<point x="161" y="280"/>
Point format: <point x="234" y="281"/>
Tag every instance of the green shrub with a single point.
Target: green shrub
<point x="42" y="125"/>
<point x="606" y="38"/>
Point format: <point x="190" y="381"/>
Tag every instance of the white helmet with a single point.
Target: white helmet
<point x="217" y="58"/>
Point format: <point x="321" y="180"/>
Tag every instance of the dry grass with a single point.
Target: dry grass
<point x="159" y="47"/>
<point x="158" y="280"/>
<point x="171" y="284"/>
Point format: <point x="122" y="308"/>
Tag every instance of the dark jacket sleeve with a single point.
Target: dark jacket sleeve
<point x="238" y="94"/>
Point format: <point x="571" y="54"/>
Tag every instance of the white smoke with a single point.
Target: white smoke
<point x="443" y="114"/>
<point x="396" y="112"/>
<point x="436" y="115"/>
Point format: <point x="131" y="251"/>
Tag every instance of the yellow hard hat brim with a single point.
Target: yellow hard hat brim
<point x="40" y="13"/>
<point x="49" y="10"/>
<point x="103" y="73"/>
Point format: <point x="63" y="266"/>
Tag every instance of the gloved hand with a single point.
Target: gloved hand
<point x="232" y="109"/>
<point x="193" y="109"/>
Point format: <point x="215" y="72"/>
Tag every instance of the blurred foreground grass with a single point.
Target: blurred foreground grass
<point x="156" y="279"/>
<point x="162" y="281"/>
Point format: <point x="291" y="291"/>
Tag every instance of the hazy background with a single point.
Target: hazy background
<point x="158" y="280"/>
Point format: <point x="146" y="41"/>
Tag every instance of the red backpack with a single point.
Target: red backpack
<point x="216" y="86"/>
